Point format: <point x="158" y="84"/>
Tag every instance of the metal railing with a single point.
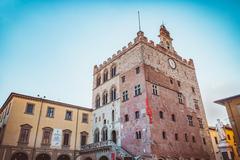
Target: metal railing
<point x="98" y="145"/>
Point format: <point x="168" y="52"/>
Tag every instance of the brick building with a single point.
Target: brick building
<point x="147" y="101"/>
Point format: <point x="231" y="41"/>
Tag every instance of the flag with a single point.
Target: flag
<point x="149" y="111"/>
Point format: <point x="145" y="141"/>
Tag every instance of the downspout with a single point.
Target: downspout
<point x="75" y="145"/>
<point x="34" y="146"/>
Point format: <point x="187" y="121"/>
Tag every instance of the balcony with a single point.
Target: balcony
<point x="105" y="146"/>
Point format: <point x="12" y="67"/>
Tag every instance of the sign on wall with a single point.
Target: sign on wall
<point x="56" y="138"/>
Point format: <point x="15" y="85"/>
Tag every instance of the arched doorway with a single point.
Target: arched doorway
<point x="19" y="156"/>
<point x="114" y="136"/>
<point x="43" y="156"/>
<point x="103" y="158"/>
<point x="63" y="157"/>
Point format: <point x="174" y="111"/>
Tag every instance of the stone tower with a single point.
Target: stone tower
<point x="147" y="101"/>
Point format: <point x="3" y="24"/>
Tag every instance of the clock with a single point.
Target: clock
<point x="172" y="63"/>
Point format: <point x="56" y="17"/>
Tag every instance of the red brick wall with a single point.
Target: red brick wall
<point x="167" y="101"/>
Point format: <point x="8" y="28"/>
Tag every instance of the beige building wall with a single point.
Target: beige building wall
<point x="232" y="105"/>
<point x="18" y="117"/>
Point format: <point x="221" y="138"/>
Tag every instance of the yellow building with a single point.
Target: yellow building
<point x="230" y="140"/>
<point x="232" y="105"/>
<point x="36" y="128"/>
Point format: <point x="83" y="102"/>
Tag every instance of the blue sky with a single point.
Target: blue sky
<point x="49" y="47"/>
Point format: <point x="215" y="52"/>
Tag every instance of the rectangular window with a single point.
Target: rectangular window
<point x="50" y="112"/>
<point x="204" y="141"/>
<point x="68" y="115"/>
<point x="179" y="83"/>
<point x="164" y="135"/>
<point x="137" y="115"/>
<point x="126" y="118"/>
<point x="193" y="139"/>
<point x="161" y="114"/>
<point x="138" y="135"/>
<point x="66" y="137"/>
<point x="125" y="96"/>
<point x="154" y="89"/>
<point x="229" y="138"/>
<point x="123" y="79"/>
<point x="196" y="104"/>
<point x="137" y="90"/>
<point x="29" y="108"/>
<point x="171" y="80"/>
<point x="137" y="70"/>
<point x="186" y="137"/>
<point x="84" y="118"/>
<point x="216" y="140"/>
<point x="193" y="89"/>
<point x="200" y="122"/>
<point x="190" y="120"/>
<point x="173" y="118"/>
<point x="180" y="98"/>
<point x="176" y="136"/>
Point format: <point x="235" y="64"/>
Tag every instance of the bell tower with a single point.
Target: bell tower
<point x="165" y="38"/>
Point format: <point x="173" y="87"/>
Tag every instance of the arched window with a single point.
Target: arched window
<point x="98" y="80"/>
<point x="113" y="116"/>
<point x="96" y="135"/>
<point x="113" y="94"/>
<point x="105" y="98"/>
<point x="47" y="136"/>
<point x="97" y="101"/>
<point x="105" y="75"/>
<point x="113" y="71"/>
<point x="104" y="134"/>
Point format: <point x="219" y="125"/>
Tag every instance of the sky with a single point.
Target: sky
<point x="49" y="47"/>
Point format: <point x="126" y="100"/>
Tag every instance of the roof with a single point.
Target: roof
<point x="18" y="95"/>
<point x="222" y="101"/>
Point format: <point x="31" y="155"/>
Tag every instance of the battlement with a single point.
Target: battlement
<point x="142" y="39"/>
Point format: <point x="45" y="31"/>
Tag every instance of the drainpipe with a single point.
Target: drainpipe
<point x="75" y="145"/>
<point x="34" y="146"/>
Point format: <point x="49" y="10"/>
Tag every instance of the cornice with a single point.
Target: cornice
<point x="18" y="95"/>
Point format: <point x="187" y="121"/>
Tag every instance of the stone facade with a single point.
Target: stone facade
<point x="143" y="64"/>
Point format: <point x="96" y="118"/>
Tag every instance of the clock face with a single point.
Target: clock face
<point x="172" y="63"/>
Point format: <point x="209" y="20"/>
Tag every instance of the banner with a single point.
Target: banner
<point x="56" y="138"/>
<point x="149" y="111"/>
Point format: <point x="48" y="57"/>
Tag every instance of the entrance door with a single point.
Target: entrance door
<point x="43" y="157"/>
<point x="19" y="156"/>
